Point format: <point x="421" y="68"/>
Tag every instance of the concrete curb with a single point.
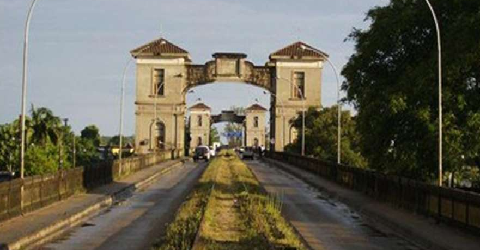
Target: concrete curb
<point x="56" y="229"/>
<point x="404" y="231"/>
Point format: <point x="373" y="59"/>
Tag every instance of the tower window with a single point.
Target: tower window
<point x="159" y="82"/>
<point x="298" y="89"/>
<point x="255" y="122"/>
<point x="200" y="121"/>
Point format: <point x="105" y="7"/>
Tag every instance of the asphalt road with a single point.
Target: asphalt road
<point x="325" y="223"/>
<point x="136" y="221"/>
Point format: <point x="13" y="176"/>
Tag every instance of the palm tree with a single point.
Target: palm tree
<point x="45" y="125"/>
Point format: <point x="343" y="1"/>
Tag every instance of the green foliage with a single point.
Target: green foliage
<point x="321" y="130"/>
<point x="214" y="136"/>
<point x="46" y="126"/>
<point x="44" y="159"/>
<point x="91" y="133"/>
<point x="9" y="147"/>
<point x="392" y="81"/>
<point x="49" y="144"/>
<point x="86" y="152"/>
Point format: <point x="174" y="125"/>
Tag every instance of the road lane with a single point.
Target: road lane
<point x="136" y="221"/>
<point x="325" y="223"/>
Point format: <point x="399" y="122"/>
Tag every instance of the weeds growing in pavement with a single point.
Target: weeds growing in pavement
<point x="238" y="214"/>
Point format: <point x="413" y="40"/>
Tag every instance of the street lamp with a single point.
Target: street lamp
<point x="24" y="86"/>
<point x="440" y="112"/>
<point x="283" y="116"/>
<point x="339" y="104"/>
<point x="122" y="98"/>
<point x="303" y="110"/>
<point x="155" y="104"/>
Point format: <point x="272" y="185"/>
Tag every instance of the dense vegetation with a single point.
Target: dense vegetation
<point x="321" y="136"/>
<point x="49" y="144"/>
<point x="392" y="81"/>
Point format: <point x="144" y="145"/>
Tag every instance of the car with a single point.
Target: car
<point x="6" y="176"/>
<point x="201" y="153"/>
<point x="248" y="153"/>
<point x="212" y="151"/>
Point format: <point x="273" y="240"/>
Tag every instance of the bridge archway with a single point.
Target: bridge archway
<point x="297" y="67"/>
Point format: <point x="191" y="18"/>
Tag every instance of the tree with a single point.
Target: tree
<point x="214" y="136"/>
<point x="9" y="147"/>
<point x="92" y="133"/>
<point x="45" y="126"/>
<point x="321" y="136"/>
<point x="392" y="81"/>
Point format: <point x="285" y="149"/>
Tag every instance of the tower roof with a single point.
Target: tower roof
<point x="201" y="106"/>
<point x="256" y="107"/>
<point x="160" y="47"/>
<point x="298" y="50"/>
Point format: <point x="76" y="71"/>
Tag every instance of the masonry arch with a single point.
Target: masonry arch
<point x="180" y="75"/>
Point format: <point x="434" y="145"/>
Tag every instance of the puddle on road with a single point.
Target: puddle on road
<point x="87" y="224"/>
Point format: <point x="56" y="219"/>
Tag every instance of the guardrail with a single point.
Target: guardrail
<point x="43" y="190"/>
<point x="451" y="206"/>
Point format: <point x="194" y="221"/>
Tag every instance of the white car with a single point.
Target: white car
<point x="201" y="152"/>
<point x="212" y="152"/>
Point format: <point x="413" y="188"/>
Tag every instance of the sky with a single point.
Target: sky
<point x="78" y="48"/>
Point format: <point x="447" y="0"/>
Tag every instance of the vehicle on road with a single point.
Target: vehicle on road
<point x="212" y="151"/>
<point x="201" y="153"/>
<point x="248" y="153"/>
<point x="6" y="176"/>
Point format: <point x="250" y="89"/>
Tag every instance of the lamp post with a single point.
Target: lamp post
<point x="24" y="87"/>
<point x="440" y="111"/>
<point x="122" y="98"/>
<point x="303" y="110"/>
<point x="339" y="105"/>
<point x="155" y="96"/>
<point x="283" y="116"/>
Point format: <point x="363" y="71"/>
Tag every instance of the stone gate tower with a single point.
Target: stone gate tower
<point x="199" y="125"/>
<point x="255" y="125"/>
<point x="165" y="73"/>
<point x="297" y="85"/>
<point x="160" y="100"/>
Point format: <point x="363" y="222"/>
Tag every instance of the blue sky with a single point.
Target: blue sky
<point x="78" y="48"/>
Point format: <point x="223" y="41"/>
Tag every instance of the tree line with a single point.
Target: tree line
<point x="50" y="144"/>
<point x="391" y="80"/>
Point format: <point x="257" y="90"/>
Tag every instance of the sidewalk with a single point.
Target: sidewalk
<point x="43" y="224"/>
<point x="416" y="228"/>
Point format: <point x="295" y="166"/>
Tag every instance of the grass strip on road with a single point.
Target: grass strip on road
<point x="237" y="214"/>
<point x="181" y="232"/>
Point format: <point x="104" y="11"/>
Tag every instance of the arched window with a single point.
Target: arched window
<point x="160" y="135"/>
<point x="255" y="142"/>
<point x="200" y="121"/>
<point x="255" y="122"/>
<point x="158" y="82"/>
<point x="200" y="141"/>
<point x="298" y="89"/>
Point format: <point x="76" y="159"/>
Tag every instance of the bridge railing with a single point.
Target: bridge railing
<point x="451" y="206"/>
<point x="42" y="190"/>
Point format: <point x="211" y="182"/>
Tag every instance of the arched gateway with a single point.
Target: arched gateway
<point x="165" y="73"/>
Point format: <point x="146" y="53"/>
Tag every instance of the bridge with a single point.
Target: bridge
<point x="160" y="198"/>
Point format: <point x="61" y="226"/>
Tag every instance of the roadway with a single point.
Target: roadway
<point x="325" y="223"/>
<point x="138" y="219"/>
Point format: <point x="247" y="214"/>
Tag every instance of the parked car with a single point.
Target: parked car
<point x="6" y="176"/>
<point x="201" y="153"/>
<point x="248" y="153"/>
<point x="212" y="151"/>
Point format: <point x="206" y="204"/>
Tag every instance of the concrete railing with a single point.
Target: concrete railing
<point x="43" y="190"/>
<point x="452" y="206"/>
